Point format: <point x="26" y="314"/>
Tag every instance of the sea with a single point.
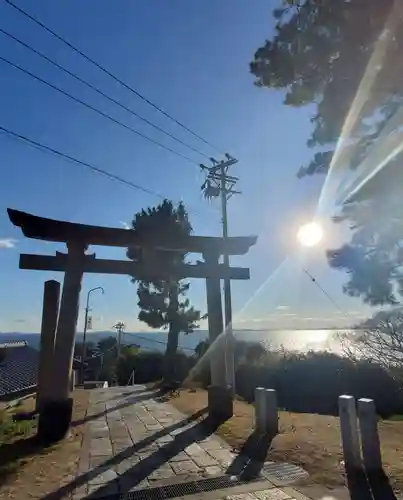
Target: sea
<point x="296" y="340"/>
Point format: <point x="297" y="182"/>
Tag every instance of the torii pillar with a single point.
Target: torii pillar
<point x="56" y="413"/>
<point x="220" y="400"/>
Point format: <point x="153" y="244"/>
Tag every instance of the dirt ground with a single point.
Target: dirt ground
<point x="29" y="471"/>
<point x="311" y="441"/>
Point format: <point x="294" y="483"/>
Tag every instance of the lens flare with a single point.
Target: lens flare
<point x="310" y="234"/>
<point x="340" y="171"/>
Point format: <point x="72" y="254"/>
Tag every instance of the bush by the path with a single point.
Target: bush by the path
<point x="312" y="382"/>
<point x="148" y="366"/>
<point x="305" y="382"/>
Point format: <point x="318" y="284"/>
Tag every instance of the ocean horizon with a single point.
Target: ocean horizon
<point x="301" y="340"/>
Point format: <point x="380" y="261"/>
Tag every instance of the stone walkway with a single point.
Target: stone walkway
<point x="134" y="441"/>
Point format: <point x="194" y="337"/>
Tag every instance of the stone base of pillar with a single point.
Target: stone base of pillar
<point x="220" y="403"/>
<point x="54" y="420"/>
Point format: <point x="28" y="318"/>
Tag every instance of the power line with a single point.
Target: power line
<point x="100" y="92"/>
<point x="71" y="159"/>
<point x="156" y="341"/>
<point x="102" y="68"/>
<point x="314" y="280"/>
<point x="98" y="111"/>
<point x="80" y="162"/>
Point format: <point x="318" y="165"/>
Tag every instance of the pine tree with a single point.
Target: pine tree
<point x="163" y="302"/>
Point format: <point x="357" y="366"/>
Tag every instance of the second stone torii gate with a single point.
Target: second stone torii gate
<point x="56" y="412"/>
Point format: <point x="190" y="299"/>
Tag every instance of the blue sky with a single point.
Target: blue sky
<point x="190" y="58"/>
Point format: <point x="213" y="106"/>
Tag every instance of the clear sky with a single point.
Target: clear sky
<point x="190" y="58"/>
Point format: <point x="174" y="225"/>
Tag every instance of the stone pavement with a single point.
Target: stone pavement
<point x="134" y="441"/>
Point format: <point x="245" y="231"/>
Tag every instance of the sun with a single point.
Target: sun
<point x="310" y="234"/>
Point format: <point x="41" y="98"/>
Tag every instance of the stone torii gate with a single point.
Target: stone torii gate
<point x="60" y="324"/>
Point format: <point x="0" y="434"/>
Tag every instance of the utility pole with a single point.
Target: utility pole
<point x="119" y="327"/>
<point x="219" y="184"/>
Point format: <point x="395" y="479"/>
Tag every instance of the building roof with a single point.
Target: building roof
<point x="19" y="367"/>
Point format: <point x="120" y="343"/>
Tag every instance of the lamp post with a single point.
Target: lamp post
<point x="87" y="308"/>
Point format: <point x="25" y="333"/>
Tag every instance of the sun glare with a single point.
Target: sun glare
<point x="310" y="234"/>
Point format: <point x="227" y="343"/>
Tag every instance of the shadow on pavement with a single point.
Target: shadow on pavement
<point x="130" y="401"/>
<point x="162" y="455"/>
<point x="251" y="458"/>
<point x="81" y="480"/>
<point x="131" y="392"/>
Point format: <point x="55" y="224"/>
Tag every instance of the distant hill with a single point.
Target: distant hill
<point x="146" y="340"/>
<point x="299" y="340"/>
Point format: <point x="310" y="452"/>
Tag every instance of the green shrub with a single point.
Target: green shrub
<point x="312" y="382"/>
<point x="10" y="429"/>
<point x="305" y="382"/>
<point x="148" y="366"/>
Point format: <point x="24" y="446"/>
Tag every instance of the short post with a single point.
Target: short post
<point x="349" y="432"/>
<point x="272" y="413"/>
<point x="266" y="415"/>
<point x="260" y="410"/>
<point x="371" y="447"/>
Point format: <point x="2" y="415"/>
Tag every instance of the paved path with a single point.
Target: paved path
<point x="134" y="441"/>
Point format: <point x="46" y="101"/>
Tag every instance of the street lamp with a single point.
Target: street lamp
<point x="87" y="308"/>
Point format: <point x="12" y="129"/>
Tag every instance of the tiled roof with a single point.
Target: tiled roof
<point x="18" y="368"/>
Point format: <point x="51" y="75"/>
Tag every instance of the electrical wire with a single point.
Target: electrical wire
<point x="82" y="163"/>
<point x="156" y="341"/>
<point x="103" y="69"/>
<point x="93" y="168"/>
<point x="98" y="170"/>
<point x="314" y="280"/>
<point x="96" y="110"/>
<point x="100" y="92"/>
